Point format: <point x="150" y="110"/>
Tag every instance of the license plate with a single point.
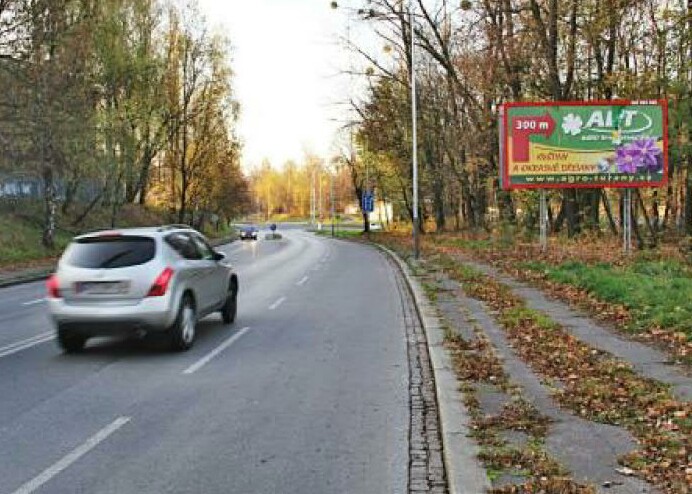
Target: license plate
<point x="102" y="287"/>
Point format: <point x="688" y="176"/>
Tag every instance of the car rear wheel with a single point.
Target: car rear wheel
<point x="230" y="307"/>
<point x="182" y="333"/>
<point x="70" y="341"/>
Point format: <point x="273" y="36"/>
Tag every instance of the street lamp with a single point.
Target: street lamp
<point x="370" y="14"/>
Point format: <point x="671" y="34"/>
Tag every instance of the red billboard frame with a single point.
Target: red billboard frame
<point x="505" y="136"/>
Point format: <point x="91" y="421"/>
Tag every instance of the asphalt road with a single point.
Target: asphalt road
<point x="306" y="393"/>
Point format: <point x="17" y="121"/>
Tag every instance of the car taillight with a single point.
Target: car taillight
<point x="53" y="286"/>
<point x="160" y="286"/>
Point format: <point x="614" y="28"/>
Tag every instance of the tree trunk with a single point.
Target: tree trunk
<point x="506" y="206"/>
<point x="571" y="212"/>
<point x="635" y="225"/>
<point x="650" y="227"/>
<point x="51" y="206"/>
<point x="560" y="220"/>
<point x="609" y="212"/>
<point x="688" y="197"/>
<point x="366" y="222"/>
<point x="88" y="209"/>
<point x="592" y="200"/>
<point x="688" y="182"/>
<point x="438" y="199"/>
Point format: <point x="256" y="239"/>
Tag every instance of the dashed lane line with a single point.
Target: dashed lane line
<point x="71" y="457"/>
<point x="25" y="344"/>
<point x="223" y="346"/>
<point x="276" y="304"/>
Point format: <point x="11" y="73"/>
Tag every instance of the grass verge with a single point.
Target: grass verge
<point x="657" y="293"/>
<point x="595" y="385"/>
<point x="647" y="296"/>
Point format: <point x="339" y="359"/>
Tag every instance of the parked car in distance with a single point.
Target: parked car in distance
<point x="139" y="280"/>
<point x="249" y="232"/>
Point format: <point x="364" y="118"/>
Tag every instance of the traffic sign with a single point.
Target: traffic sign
<point x="368" y="205"/>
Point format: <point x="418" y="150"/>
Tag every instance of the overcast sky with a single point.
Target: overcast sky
<point x="287" y="61"/>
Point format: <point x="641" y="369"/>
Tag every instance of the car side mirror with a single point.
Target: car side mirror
<point x="219" y="256"/>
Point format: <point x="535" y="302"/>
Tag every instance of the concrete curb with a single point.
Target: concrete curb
<point x="465" y="475"/>
<point x="22" y="279"/>
<point x="40" y="275"/>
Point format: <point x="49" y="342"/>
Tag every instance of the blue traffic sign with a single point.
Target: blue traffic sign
<point x="368" y="202"/>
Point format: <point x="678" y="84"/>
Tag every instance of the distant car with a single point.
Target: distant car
<point x="249" y="233"/>
<point x="375" y="226"/>
<point x="140" y="280"/>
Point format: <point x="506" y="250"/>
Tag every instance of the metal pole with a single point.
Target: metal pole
<point x="544" y="221"/>
<point x="627" y="220"/>
<point x="414" y="120"/>
<point x="331" y="199"/>
<point x="312" y="199"/>
<point x="319" y="201"/>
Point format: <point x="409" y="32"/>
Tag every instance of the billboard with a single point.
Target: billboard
<point x="584" y="144"/>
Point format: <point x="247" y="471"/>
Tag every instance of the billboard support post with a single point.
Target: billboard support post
<point x="627" y="221"/>
<point x="544" y="222"/>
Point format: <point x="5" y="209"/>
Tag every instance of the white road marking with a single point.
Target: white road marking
<point x="72" y="457"/>
<point x="276" y="304"/>
<point x="34" y="302"/>
<point x="302" y="282"/>
<point x="24" y="344"/>
<point x="205" y="360"/>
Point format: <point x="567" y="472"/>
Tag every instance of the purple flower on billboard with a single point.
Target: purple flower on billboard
<point x="626" y="160"/>
<point x="649" y="154"/>
<point x="641" y="155"/>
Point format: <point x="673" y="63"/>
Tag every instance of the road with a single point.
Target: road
<point x="306" y="393"/>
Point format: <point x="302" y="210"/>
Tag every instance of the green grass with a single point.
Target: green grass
<point x="657" y="292"/>
<point x="513" y="318"/>
<point x="327" y="232"/>
<point x="20" y="241"/>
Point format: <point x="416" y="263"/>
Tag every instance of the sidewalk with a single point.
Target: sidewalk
<point x="525" y="420"/>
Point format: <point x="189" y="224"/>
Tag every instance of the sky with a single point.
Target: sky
<point x="289" y="80"/>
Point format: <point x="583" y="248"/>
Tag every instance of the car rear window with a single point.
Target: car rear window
<point x="183" y="245"/>
<point x="111" y="252"/>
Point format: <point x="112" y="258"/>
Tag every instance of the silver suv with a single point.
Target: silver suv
<point x="139" y="280"/>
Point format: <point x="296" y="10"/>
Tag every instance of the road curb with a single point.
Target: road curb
<point x="465" y="475"/>
<point x="23" y="279"/>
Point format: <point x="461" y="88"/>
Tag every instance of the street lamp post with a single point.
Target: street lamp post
<point x="414" y="138"/>
<point x="414" y="123"/>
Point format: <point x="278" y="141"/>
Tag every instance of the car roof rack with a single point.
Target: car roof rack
<point x="97" y="230"/>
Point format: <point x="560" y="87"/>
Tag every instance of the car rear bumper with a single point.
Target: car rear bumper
<point x="149" y="314"/>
